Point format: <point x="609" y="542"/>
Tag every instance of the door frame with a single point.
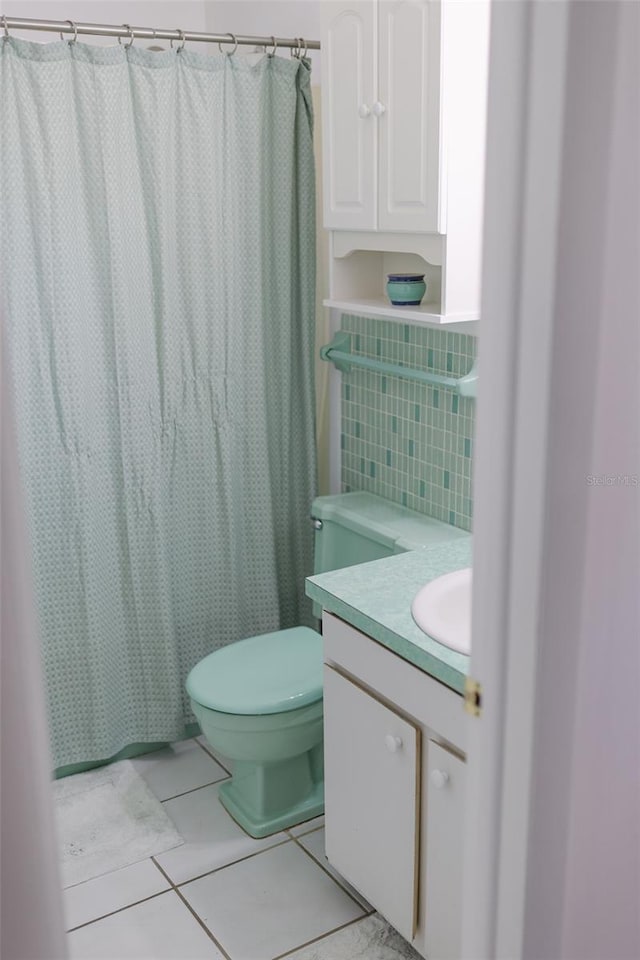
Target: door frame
<point x="525" y="140"/>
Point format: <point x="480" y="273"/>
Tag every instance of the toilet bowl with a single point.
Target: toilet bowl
<point x="259" y="700"/>
<point x="259" y="703"/>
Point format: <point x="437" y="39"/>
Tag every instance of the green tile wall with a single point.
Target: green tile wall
<point x="405" y="441"/>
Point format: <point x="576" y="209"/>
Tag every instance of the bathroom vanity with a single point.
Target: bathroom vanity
<point x="395" y="743"/>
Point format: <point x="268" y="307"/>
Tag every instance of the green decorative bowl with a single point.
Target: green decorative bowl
<point x="406" y="289"/>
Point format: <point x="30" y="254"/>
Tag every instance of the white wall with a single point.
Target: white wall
<point x="186" y="14"/>
<point x="284" y="18"/>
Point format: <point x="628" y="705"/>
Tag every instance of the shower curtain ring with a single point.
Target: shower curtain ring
<point x="181" y="37"/>
<point x="295" y="50"/>
<point x="75" y="31"/>
<point x="302" y="55"/>
<point x="235" y="42"/>
<point x="274" y="43"/>
<point x="131" y="37"/>
<point x="6" y="28"/>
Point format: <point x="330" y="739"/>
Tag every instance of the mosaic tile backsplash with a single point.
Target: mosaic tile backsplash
<point x="405" y="441"/>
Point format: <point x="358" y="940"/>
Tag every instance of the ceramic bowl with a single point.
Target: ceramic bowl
<point x="406" y="289"/>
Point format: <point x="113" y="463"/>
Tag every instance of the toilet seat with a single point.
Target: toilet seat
<point x="270" y="673"/>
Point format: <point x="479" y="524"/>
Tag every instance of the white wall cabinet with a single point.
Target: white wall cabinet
<point x="349" y="135"/>
<point x="404" y="86"/>
<point x="381" y="79"/>
<point x="408" y="115"/>
<point x="394" y="787"/>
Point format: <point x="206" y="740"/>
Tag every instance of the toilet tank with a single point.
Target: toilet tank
<point x="357" y="527"/>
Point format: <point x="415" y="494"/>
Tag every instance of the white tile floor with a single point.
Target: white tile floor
<point x="223" y="894"/>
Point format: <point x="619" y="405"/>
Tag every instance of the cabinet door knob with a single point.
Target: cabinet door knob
<point x="378" y="108"/>
<point x="364" y="110"/>
<point x="393" y="744"/>
<point x="439" y="778"/>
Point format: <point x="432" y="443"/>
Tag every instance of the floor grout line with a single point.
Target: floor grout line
<point x="198" y="920"/>
<point x="212" y="783"/>
<point x="296" y="836"/>
<point x="162" y="871"/>
<point x="209" y="754"/>
<point x="127" y="906"/>
<point x="323" y="936"/>
<point x="329" y="874"/>
<point x="195" y="916"/>
<point x="173" y="887"/>
<point x="249" y="856"/>
<point x="257" y="853"/>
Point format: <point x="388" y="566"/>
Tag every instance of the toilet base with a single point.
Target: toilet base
<point x="312" y="806"/>
<point x="267" y="798"/>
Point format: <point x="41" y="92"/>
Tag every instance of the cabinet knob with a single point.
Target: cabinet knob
<point x="378" y="108"/>
<point x="364" y="110"/>
<point x="393" y="744"/>
<point x="439" y="778"/>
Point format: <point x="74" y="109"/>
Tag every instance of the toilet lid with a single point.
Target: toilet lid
<point x="271" y="673"/>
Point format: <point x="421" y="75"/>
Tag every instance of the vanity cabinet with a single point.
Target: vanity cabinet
<point x="394" y="787"/>
<point x="444" y="798"/>
<point x="404" y="89"/>
<point x="371" y="800"/>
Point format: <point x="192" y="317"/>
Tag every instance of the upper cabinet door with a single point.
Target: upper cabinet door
<point x="349" y="46"/>
<point x="408" y="115"/>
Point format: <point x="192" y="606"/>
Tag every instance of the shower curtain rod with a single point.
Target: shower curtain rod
<point x="148" y="33"/>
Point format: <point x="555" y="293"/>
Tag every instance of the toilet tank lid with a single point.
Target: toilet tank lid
<point x="270" y="673"/>
<point x="388" y="523"/>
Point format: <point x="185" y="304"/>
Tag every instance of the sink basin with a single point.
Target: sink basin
<point x="442" y="609"/>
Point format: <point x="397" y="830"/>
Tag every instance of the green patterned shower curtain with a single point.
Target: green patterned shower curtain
<point x="158" y="268"/>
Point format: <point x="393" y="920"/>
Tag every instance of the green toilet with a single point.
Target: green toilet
<point x="259" y="700"/>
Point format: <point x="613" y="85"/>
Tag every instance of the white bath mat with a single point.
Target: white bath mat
<point x="107" y="819"/>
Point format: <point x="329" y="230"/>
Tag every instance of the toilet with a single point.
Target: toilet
<point x="259" y="701"/>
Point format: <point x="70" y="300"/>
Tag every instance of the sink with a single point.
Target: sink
<point x="442" y="609"/>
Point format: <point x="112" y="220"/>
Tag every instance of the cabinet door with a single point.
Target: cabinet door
<point x="444" y="852"/>
<point x="371" y="799"/>
<point x="349" y="39"/>
<point x="408" y="109"/>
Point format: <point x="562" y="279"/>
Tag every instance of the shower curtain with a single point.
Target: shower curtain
<point x="158" y="267"/>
